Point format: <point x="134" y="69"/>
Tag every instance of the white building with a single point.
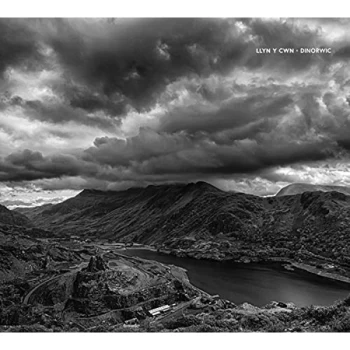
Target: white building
<point x="159" y="310"/>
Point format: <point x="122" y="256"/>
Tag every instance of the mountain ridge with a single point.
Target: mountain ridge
<point x="205" y="221"/>
<point x="297" y="188"/>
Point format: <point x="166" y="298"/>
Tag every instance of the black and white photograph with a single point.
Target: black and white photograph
<point x="174" y="175"/>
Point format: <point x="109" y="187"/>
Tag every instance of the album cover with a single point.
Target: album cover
<point x="174" y="175"/>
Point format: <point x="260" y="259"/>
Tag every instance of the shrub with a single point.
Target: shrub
<point x="183" y="321"/>
<point x="341" y="324"/>
<point x="262" y="323"/>
<point x="322" y="314"/>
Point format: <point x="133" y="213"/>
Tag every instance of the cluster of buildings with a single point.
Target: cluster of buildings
<point x="160" y="310"/>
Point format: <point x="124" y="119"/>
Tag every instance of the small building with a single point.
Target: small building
<point x="132" y="322"/>
<point x="328" y="266"/>
<point x="159" y="310"/>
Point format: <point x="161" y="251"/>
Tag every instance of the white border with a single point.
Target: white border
<point x="178" y="8"/>
<point x="173" y="341"/>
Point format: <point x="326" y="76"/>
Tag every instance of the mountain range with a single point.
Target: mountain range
<point x="204" y="221"/>
<point x="45" y="282"/>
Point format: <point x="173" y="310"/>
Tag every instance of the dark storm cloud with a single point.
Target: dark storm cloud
<point x="18" y="45"/>
<point x="60" y="113"/>
<point x="130" y="62"/>
<point x="151" y="155"/>
<point x="29" y="165"/>
<point x="205" y="104"/>
<point x="123" y="62"/>
<point x="284" y="34"/>
<point x="247" y="131"/>
<point x="179" y="153"/>
<point x="343" y="52"/>
<point x="138" y="58"/>
<point x="234" y="113"/>
<point x="344" y="143"/>
<point x="91" y="102"/>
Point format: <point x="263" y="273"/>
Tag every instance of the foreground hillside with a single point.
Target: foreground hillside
<point x="48" y="286"/>
<point x="201" y="221"/>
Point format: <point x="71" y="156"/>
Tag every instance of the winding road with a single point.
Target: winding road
<point x="26" y="299"/>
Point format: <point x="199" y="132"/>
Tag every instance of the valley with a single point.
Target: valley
<point x="67" y="267"/>
<point x="311" y="229"/>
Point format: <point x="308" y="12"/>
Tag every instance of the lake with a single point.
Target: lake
<point x="257" y="284"/>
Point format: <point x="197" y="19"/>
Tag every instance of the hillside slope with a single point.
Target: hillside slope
<point x="207" y="222"/>
<point x="137" y="213"/>
<point x="13" y="218"/>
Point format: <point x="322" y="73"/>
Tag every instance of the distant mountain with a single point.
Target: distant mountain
<point x="205" y="221"/>
<point x="13" y="218"/>
<point x="32" y="211"/>
<point x="137" y="213"/>
<point x="300" y="188"/>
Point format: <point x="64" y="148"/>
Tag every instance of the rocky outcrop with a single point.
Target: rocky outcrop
<point x="96" y="264"/>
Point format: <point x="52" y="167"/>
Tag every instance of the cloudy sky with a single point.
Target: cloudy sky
<point x="114" y="103"/>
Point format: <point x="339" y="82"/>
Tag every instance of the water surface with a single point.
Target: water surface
<point x="257" y="284"/>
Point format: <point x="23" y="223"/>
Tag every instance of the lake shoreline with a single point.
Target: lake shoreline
<point x="315" y="271"/>
<point x="319" y="291"/>
<point x="290" y="264"/>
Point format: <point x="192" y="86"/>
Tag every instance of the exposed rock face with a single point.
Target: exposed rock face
<point x="96" y="264"/>
<point x="92" y="294"/>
